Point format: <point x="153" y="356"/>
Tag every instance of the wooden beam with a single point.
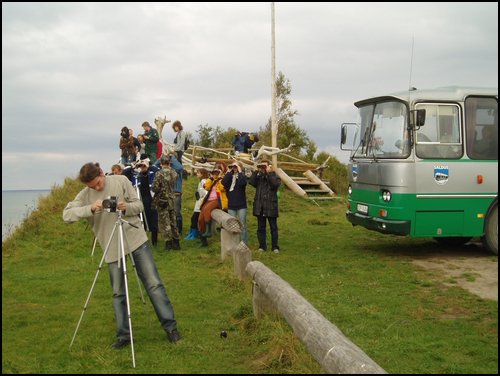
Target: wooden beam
<point x="326" y="343"/>
<point x="289" y="182"/>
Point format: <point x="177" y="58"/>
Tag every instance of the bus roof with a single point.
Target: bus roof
<point x="449" y="93"/>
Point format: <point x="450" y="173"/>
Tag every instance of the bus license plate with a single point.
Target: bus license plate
<point x="362" y="208"/>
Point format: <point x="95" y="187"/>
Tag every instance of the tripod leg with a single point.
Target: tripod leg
<point x="93" y="285"/>
<point x="138" y="280"/>
<point x="127" y="298"/>
<point x="142" y="214"/>
<point x="93" y="247"/>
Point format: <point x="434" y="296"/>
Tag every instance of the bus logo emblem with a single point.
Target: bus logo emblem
<point x="441" y="174"/>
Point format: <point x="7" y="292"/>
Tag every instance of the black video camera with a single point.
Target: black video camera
<point x="110" y="204"/>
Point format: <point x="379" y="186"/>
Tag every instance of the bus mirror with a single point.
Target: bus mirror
<point x="420" y="117"/>
<point x="343" y="134"/>
<point x="346" y="136"/>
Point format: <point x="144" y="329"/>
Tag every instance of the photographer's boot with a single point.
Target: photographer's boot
<point x="168" y="245"/>
<point x="179" y="225"/>
<point x="208" y="229"/>
<point x="204" y="241"/>
<point x="154" y="238"/>
<point x="175" y="245"/>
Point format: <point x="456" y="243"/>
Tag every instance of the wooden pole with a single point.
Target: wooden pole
<point x="289" y="182"/>
<point x="228" y="242"/>
<point x="325" y="342"/>
<point x="274" y="126"/>
<point x="242" y="255"/>
<point x="230" y="231"/>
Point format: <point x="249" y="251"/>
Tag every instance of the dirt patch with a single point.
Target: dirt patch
<point x="469" y="267"/>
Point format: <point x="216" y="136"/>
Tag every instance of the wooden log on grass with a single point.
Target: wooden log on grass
<point x="242" y="255"/>
<point x="230" y="231"/>
<point x="325" y="342"/>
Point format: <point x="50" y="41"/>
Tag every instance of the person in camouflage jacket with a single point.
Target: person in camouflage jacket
<point x="163" y="200"/>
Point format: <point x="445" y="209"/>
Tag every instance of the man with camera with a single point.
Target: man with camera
<point x="116" y="193"/>
<point x="265" y="204"/>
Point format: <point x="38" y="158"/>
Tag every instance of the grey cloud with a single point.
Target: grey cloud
<point x="74" y="73"/>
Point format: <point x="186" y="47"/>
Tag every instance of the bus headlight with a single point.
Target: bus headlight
<point x="349" y="190"/>
<point x="386" y="196"/>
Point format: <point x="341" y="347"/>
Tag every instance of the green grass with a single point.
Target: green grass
<point x="363" y="282"/>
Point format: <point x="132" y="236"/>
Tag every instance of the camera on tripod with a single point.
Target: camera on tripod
<point x="110" y="203"/>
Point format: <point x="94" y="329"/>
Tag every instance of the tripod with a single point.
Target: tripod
<point x="137" y="184"/>
<point x="122" y="262"/>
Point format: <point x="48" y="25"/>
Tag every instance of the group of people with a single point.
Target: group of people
<point x="225" y="188"/>
<point x="159" y="186"/>
<point x="149" y="142"/>
<point x="243" y="141"/>
<point x="149" y="195"/>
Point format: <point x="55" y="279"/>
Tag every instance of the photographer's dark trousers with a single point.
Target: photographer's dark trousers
<point x="261" y="231"/>
<point x="194" y="220"/>
<point x="146" y="269"/>
<point x="178" y="210"/>
<point x="151" y="214"/>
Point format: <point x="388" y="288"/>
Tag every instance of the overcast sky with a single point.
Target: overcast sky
<point x="73" y="74"/>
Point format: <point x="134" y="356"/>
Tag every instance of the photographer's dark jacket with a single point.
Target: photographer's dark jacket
<point x="236" y="198"/>
<point x="266" y="198"/>
<point x="145" y="181"/>
<point x="103" y="222"/>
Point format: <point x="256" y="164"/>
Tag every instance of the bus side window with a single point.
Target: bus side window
<point x="450" y="151"/>
<point x="449" y="133"/>
<point x="486" y="146"/>
<point x="481" y="123"/>
<point x="425" y="150"/>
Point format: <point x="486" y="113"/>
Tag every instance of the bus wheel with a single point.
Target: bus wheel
<point x="490" y="238"/>
<point x="453" y="240"/>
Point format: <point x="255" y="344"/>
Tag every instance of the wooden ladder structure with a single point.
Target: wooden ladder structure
<point x="309" y="186"/>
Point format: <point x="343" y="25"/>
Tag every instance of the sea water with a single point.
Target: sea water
<point x="16" y="206"/>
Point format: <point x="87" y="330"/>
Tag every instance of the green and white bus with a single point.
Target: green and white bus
<point x="424" y="163"/>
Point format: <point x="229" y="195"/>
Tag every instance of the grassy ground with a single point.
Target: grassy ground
<point x="361" y="281"/>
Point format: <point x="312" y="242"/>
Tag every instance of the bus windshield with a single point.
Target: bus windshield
<point x="382" y="131"/>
